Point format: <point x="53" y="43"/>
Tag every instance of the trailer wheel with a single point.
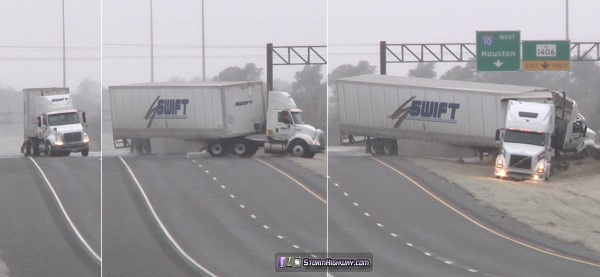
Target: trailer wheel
<point x="137" y="145"/>
<point x="375" y="146"/>
<point x="146" y="147"/>
<point x="298" y="148"/>
<point x="389" y="147"/>
<point x="240" y="148"/>
<point x="216" y="149"/>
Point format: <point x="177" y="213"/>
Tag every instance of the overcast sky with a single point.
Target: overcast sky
<point x="31" y="42"/>
<point x="357" y="26"/>
<point x="237" y="32"/>
<point x="111" y="38"/>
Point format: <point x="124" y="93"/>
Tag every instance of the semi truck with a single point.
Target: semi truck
<point x="537" y="128"/>
<point x="51" y="123"/>
<point x="226" y="117"/>
<point x="387" y="108"/>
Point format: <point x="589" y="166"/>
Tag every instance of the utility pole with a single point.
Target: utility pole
<point x="203" y="56"/>
<point x="151" y="46"/>
<point x="64" y="51"/>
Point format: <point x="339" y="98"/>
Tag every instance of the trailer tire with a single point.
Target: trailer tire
<point x="216" y="148"/>
<point x="137" y="145"/>
<point x="389" y="147"/>
<point x="146" y="147"/>
<point x="298" y="148"/>
<point x="375" y="146"/>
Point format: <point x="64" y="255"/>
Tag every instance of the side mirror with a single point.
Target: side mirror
<point x="584" y="130"/>
<point x="497" y="137"/>
<point x="83" y="118"/>
<point x="39" y="121"/>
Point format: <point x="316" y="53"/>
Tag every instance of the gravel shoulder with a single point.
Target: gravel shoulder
<point x="566" y="207"/>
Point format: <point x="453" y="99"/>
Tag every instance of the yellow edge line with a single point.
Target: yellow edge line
<point x="483" y="226"/>
<point x="293" y="179"/>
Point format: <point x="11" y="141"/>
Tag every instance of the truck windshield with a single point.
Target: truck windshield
<point x="297" y="116"/>
<point x="62" y="119"/>
<point x="525" y="137"/>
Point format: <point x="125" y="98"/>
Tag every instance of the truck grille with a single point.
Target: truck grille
<point x="321" y="138"/>
<point x="72" y="137"/>
<point x="519" y="161"/>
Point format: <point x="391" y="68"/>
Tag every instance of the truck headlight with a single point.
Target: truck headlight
<point x="541" y="167"/>
<point x="58" y="140"/>
<point x="86" y="138"/>
<point x="499" y="163"/>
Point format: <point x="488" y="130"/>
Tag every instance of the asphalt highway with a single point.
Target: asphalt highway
<point x="37" y="237"/>
<point x="210" y="216"/>
<point x="416" y="224"/>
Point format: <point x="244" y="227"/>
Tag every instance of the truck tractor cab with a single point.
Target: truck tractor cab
<point x="287" y="131"/>
<point x="63" y="132"/>
<point x="526" y="141"/>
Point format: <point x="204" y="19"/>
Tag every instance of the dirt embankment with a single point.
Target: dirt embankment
<point x="566" y="207"/>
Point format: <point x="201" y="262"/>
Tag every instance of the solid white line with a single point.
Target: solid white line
<point x="62" y="208"/>
<point x="162" y="226"/>
<point x="481" y="225"/>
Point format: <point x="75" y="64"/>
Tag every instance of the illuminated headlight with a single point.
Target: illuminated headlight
<point x="58" y="140"/>
<point x="502" y="173"/>
<point x="535" y="177"/>
<point x="315" y="142"/>
<point x="541" y="167"/>
<point x="499" y="163"/>
<point x="86" y="138"/>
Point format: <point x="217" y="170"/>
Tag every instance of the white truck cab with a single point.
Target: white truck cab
<point x="286" y="131"/>
<point x="52" y="125"/>
<point x="526" y="141"/>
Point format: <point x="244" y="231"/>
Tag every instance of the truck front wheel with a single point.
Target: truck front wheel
<point x="49" y="150"/>
<point x="85" y="152"/>
<point x="298" y="149"/>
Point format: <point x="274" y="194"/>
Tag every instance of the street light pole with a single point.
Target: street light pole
<point x="64" y="51"/>
<point x="203" y="56"/>
<point x="151" y="46"/>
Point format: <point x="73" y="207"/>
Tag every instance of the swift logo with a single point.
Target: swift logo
<point x="60" y="99"/>
<point x="166" y="109"/>
<point x="243" y="103"/>
<point x="402" y="112"/>
<point x="433" y="111"/>
<point x="425" y="111"/>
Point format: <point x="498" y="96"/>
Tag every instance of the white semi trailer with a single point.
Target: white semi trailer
<point x="51" y="123"/>
<point x="225" y="117"/>
<point x="386" y="108"/>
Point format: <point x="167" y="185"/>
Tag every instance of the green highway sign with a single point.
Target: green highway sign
<point x="498" y="50"/>
<point x="544" y="55"/>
